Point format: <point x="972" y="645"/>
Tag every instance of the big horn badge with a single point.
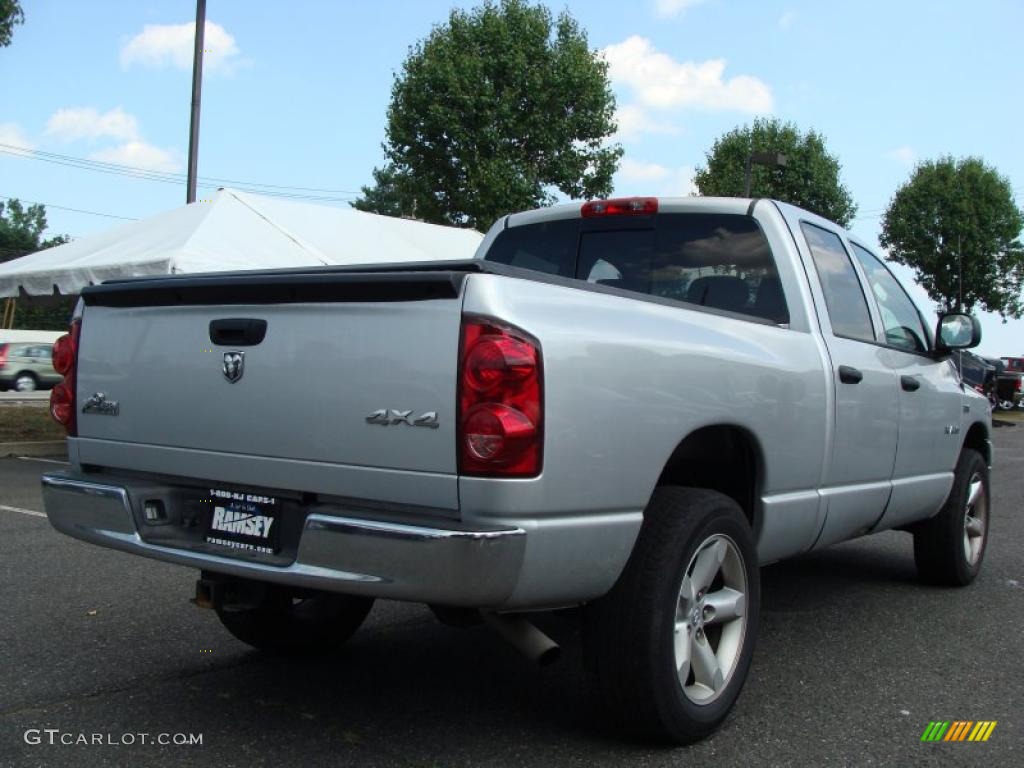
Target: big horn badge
<point x="234" y="366"/>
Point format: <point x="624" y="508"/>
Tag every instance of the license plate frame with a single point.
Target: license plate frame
<point x="244" y="521"/>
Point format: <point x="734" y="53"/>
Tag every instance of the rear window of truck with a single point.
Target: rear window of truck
<point x="721" y="261"/>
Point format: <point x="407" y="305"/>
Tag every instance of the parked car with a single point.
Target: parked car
<point x="1010" y="382"/>
<point x="625" y="406"/>
<point x="27" y="367"/>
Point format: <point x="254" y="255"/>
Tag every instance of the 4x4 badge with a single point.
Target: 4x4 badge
<point x="234" y="366"/>
<point x="390" y="416"/>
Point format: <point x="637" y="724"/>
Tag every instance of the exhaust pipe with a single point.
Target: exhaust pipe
<point x="524" y="636"/>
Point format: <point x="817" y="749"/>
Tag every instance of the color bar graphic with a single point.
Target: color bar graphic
<point x="958" y="730"/>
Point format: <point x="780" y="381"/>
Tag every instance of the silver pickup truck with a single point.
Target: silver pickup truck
<point x="624" y="407"/>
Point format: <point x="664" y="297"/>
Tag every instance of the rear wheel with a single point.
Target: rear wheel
<point x="668" y="649"/>
<point x="949" y="548"/>
<point x="286" y="623"/>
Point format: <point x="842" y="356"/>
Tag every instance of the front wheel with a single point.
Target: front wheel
<point x="289" y="624"/>
<point x="949" y="548"/>
<point x="668" y="649"/>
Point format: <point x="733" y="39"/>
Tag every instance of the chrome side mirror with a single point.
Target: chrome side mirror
<point x="957" y="331"/>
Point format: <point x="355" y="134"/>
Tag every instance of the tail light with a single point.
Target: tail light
<point x="3" y="356"/>
<point x="621" y="206"/>
<point x="501" y="410"/>
<point x="65" y="362"/>
<point x="1020" y="383"/>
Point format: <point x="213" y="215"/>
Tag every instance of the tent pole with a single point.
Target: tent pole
<point x="197" y="92"/>
<point x="8" y="317"/>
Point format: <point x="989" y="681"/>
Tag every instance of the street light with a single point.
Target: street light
<point x="767" y="159"/>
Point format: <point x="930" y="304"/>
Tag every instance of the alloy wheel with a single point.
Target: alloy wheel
<point x="975" y="519"/>
<point x="710" y="620"/>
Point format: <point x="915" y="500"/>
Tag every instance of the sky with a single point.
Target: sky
<point x="295" y="95"/>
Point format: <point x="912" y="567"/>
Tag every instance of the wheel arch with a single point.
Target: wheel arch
<point x="721" y="457"/>
<point x="977" y="438"/>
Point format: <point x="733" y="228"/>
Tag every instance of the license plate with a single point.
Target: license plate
<point x="244" y="521"/>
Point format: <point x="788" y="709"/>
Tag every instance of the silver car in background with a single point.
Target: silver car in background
<point x="26" y="367"/>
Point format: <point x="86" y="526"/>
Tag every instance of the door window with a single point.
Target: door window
<point x="844" y="297"/>
<point x="900" y="318"/>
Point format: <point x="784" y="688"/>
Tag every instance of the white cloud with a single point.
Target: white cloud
<point x="138" y="154"/>
<point x="903" y="155"/>
<point x="786" y="20"/>
<point x="633" y="170"/>
<point x="634" y="120"/>
<point x="658" y="80"/>
<point x="162" y="45"/>
<point x="643" y="178"/>
<point x="669" y="8"/>
<point x="88" y="123"/>
<point x="11" y="135"/>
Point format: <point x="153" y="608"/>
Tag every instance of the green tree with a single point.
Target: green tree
<point x="491" y="113"/>
<point x="21" y="230"/>
<point x="21" y="233"/>
<point x="10" y="14"/>
<point x="955" y="223"/>
<point x="810" y="178"/>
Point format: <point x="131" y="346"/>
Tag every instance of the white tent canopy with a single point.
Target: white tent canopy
<point x="234" y="231"/>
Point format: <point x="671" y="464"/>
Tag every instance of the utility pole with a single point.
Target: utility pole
<point x="959" y="276"/>
<point x="197" y="93"/>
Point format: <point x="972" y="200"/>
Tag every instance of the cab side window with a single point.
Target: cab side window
<point x="903" y="327"/>
<point x="844" y="297"/>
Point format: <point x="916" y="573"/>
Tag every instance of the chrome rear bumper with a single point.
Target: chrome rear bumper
<point x="399" y="560"/>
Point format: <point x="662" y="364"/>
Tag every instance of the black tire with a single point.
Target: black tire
<point x="27" y="376"/>
<point x="284" y="624"/>
<point x="940" y="552"/>
<point x="629" y="634"/>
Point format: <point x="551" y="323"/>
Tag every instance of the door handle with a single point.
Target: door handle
<point x="238" y="331"/>
<point x="910" y="383"/>
<point x="849" y="375"/>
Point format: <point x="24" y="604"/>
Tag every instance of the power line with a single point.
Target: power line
<point x="89" y="162"/>
<point x="65" y="208"/>
<point x="167" y="177"/>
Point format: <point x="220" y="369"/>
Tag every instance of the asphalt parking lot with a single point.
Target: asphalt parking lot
<point x="855" y="658"/>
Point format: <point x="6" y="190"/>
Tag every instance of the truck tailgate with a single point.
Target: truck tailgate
<point x="307" y="391"/>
